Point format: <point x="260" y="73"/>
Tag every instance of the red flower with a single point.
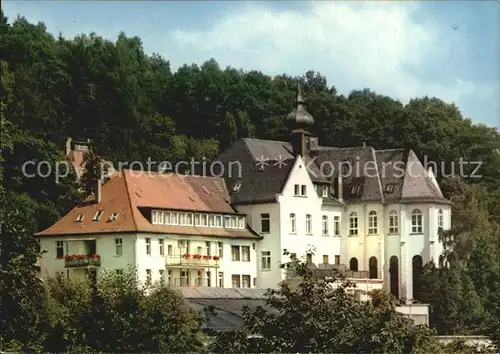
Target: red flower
<point x="186" y="256"/>
<point x="216" y="258"/>
<point x="207" y="257"/>
<point x="197" y="256"/>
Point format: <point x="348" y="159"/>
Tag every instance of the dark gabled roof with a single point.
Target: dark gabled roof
<point x="376" y="176"/>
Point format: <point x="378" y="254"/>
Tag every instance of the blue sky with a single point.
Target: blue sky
<point x="446" y="49"/>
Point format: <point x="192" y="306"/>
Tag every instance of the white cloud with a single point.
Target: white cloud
<point x="355" y="45"/>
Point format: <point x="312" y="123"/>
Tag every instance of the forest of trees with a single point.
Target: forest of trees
<point x="134" y="107"/>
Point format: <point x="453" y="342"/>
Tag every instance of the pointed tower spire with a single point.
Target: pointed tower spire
<point x="299" y="118"/>
<point x="298" y="121"/>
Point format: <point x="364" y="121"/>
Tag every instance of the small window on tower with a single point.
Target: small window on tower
<point x="80" y="217"/>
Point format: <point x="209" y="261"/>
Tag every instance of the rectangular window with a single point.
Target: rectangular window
<point x="325" y="225"/>
<point x="182" y="219"/>
<point x="148" y="246"/>
<point x="324" y="191"/>
<point x="218" y="220"/>
<point x="161" y="247"/>
<point x="227" y="222"/>
<point x="189" y="219"/>
<point x="265" y="222"/>
<point x="170" y="250"/>
<point x="234" y="222"/>
<point x="235" y="280"/>
<point x="393" y="222"/>
<point x="169" y="278"/>
<point x="204" y="220"/>
<point x="245" y="253"/>
<point x="118" y="246"/>
<point x="184" y="280"/>
<point x="220" y="279"/>
<point x="59" y="249"/>
<point x="372" y="223"/>
<point x="196" y="219"/>
<point x="325" y="259"/>
<point x="162" y="276"/>
<point x="245" y="281"/>
<point x="308" y="224"/>
<point x="209" y="278"/>
<point x="220" y="249"/>
<point x="337" y="259"/>
<point x="211" y="220"/>
<point x="303" y="190"/>
<point x="208" y="248"/>
<point x="266" y="260"/>
<point x="148" y="277"/>
<point x="336" y="226"/>
<point x="173" y="219"/>
<point x="241" y="222"/>
<point x="353" y="224"/>
<point x="199" y="250"/>
<point x="199" y="278"/>
<point x="166" y="217"/>
<point x="159" y="217"/>
<point x="235" y="253"/>
<point x="296" y="190"/>
<point x="293" y="224"/>
<point x="416" y="223"/>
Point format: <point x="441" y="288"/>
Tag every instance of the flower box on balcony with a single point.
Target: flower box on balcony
<point x="197" y="256"/>
<point x="82" y="260"/>
<point x="215" y="258"/>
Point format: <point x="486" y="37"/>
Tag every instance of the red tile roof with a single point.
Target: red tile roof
<point x="130" y="193"/>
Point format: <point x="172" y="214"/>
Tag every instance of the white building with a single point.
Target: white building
<point x="180" y="230"/>
<point x="380" y="219"/>
<point x="373" y="215"/>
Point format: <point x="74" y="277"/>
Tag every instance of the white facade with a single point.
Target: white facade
<point x="159" y="257"/>
<point x="375" y="237"/>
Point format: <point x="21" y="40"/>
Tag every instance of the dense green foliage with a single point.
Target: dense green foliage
<point x="134" y="107"/>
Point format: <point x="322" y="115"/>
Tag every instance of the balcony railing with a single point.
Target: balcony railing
<point x="82" y="260"/>
<point x="183" y="282"/>
<point x="193" y="261"/>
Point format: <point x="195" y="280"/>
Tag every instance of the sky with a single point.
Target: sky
<point x="447" y="49"/>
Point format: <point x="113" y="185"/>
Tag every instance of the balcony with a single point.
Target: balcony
<point x="191" y="282"/>
<point x="192" y="261"/>
<point x="82" y="260"/>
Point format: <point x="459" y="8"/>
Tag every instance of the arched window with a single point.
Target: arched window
<point x="416" y="221"/>
<point x="393" y="222"/>
<point x="394" y="276"/>
<point x="353" y="224"/>
<point x="440" y="219"/>
<point x="353" y="264"/>
<point x="373" y="267"/>
<point x="417" y="268"/>
<point x="372" y="222"/>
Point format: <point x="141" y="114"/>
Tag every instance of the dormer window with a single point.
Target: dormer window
<point x="324" y="191"/>
<point x="80" y="217"/>
<point x="113" y="216"/>
<point x="98" y="215"/>
<point x="389" y="188"/>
